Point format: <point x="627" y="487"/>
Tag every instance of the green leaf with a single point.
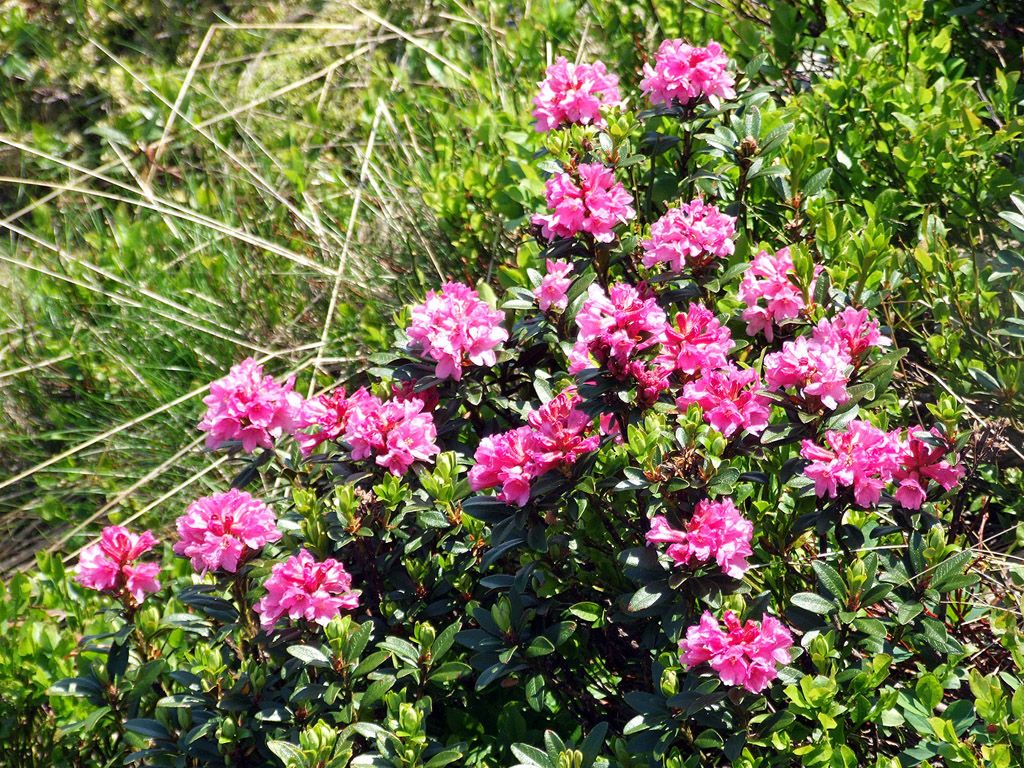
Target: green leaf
<point x="401" y="648"/>
<point x="443" y="643"/>
<point x="952" y="566"/>
<point x="908" y="612"/>
<point x="75" y="686"/>
<point x="813" y="603"/>
<point x="444" y="758"/>
<point x="830" y="580"/>
<point x="151" y="729"/>
<point x="88" y="723"/>
<point x="287" y="752"/>
<point x="358" y="640"/>
<point x="872" y="627"/>
<point x="929" y="691"/>
<point x="817" y="183"/>
<point x="309" y="655"/>
<point x="449" y="671"/>
<point x="589" y="612"/>
<point x="531" y="756"/>
<point x="539" y="646"/>
<point x="649" y="596"/>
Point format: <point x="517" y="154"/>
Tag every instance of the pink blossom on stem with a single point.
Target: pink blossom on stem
<point x="921" y="463"/>
<point x="554" y="286"/>
<point x="590" y="200"/>
<point x="561" y="433"/>
<point x="851" y="330"/>
<point x="729" y="398"/>
<point x="663" y="533"/>
<point x="716" y="531"/>
<point x="455" y="328"/>
<point x="329" y="413"/>
<point x="303" y="588"/>
<point x="698" y="341"/>
<point x="406" y="390"/>
<point x="248" y="406"/>
<point x="223" y="530"/>
<point x="109" y="565"/>
<point x="685" y="72"/>
<point x="769" y="292"/>
<point x="815" y="369"/>
<point x="396" y="432"/>
<point x="743" y="654"/>
<point x="574" y="93"/>
<point x="614" y="327"/>
<point x="505" y="460"/>
<point x="863" y="457"/>
<point x="692" y="235"/>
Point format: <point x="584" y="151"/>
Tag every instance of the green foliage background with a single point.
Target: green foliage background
<point x="392" y="139"/>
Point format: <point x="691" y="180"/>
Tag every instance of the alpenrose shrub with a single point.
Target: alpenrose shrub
<point x="660" y="503"/>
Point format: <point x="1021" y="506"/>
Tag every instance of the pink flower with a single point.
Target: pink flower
<point x="729" y="398"/>
<point x="717" y="531"/>
<point x="919" y="463"/>
<point x="817" y="370"/>
<point x="553" y="287"/>
<point x="686" y="73"/>
<point x="697" y="342"/>
<point x="574" y="93"/>
<point x="864" y="458"/>
<point x="694" y="235"/>
<point x="505" y="459"/>
<point x="330" y="414"/>
<point x="663" y="533"/>
<point x="301" y="588"/>
<point x="455" y="328"/>
<point x="613" y="328"/>
<point x="744" y="654"/>
<point x="248" y="406"/>
<point x="110" y="564"/>
<point x="561" y="433"/>
<point x="851" y="330"/>
<point x="223" y="530"/>
<point x="406" y="390"/>
<point x="771" y="279"/>
<point x="397" y="432"/>
<point x="589" y="200"/>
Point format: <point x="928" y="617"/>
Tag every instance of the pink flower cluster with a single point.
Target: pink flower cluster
<point x="771" y="279"/>
<point x="558" y="433"/>
<point x="743" y="654"/>
<point x="221" y="531"/>
<point x="329" y="413"/>
<point x="716" y="531"/>
<point x="454" y="328"/>
<point x="686" y="73"/>
<point x="921" y="463"/>
<point x="587" y="200"/>
<point x="729" y="398"/>
<point x="866" y="459"/>
<point x="614" y="327"/>
<point x="554" y="286"/>
<point x="110" y="564"/>
<point x="397" y="432"/>
<point x="301" y="587"/>
<point x="697" y="342"/>
<point x="248" y="406"/>
<point x="574" y="93"/>
<point x="693" y="235"/>
<point x="817" y="369"/>
<point x="852" y="331"/>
